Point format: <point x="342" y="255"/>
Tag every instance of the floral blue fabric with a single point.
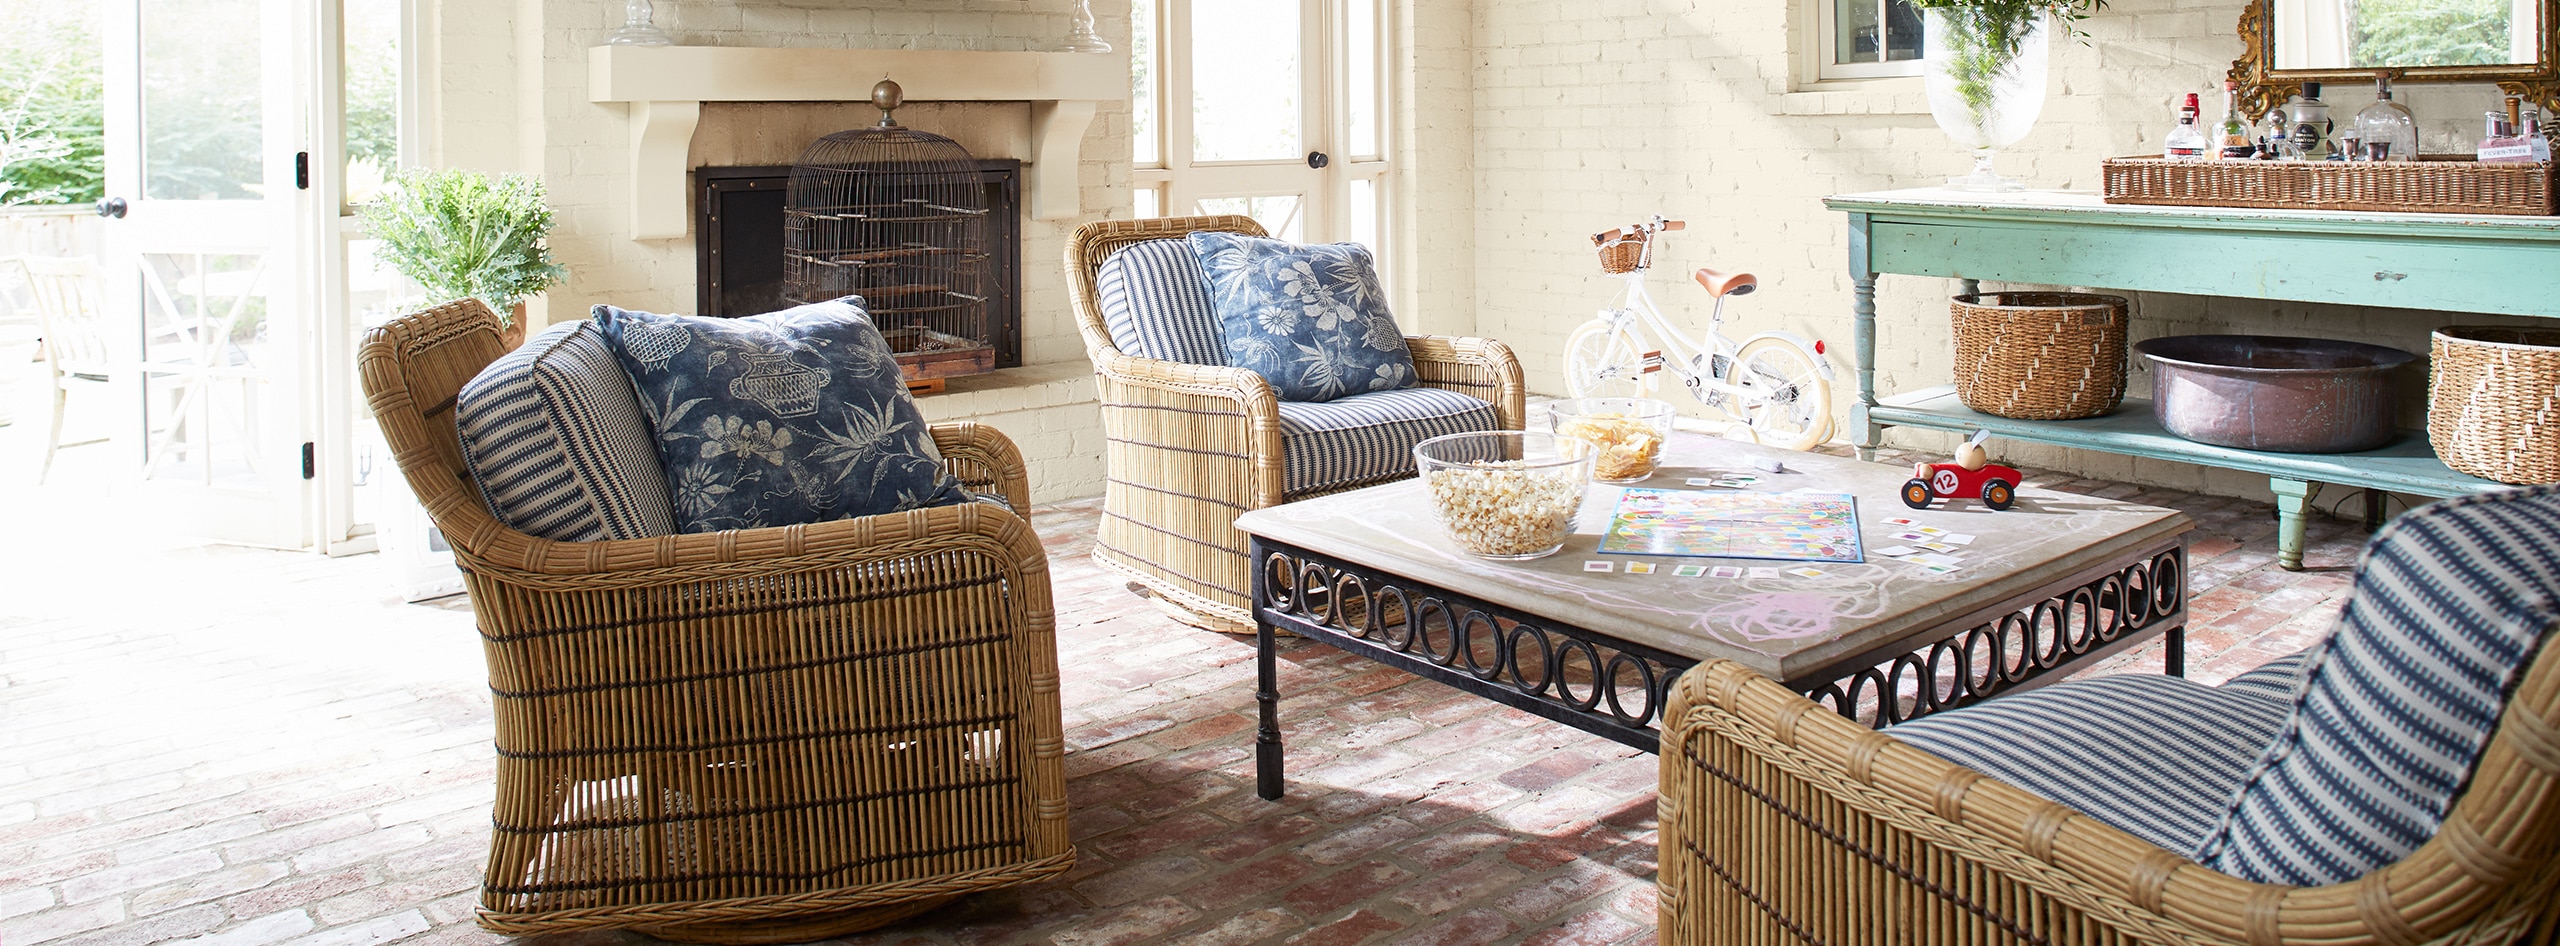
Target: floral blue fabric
<point x="789" y="417"/>
<point x="1309" y="318"/>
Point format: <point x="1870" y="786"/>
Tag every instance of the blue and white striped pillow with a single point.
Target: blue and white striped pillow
<point x="2450" y="602"/>
<point x="555" y="438"/>
<point x="1155" y="300"/>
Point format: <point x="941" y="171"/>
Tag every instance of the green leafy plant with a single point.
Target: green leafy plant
<point x="462" y="234"/>
<point x="1984" y="36"/>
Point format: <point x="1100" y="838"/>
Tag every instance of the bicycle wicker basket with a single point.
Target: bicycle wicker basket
<point x="1623" y="254"/>
<point x="2492" y="397"/>
<point x="2040" y="355"/>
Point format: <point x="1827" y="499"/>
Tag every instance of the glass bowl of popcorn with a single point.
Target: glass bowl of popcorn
<point x="1628" y="431"/>
<point x="1506" y="494"/>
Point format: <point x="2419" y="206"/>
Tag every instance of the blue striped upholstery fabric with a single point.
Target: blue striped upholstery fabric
<point x="554" y="436"/>
<point x="2450" y="602"/>
<point x="1155" y="299"/>
<point x="2158" y="757"/>
<point x="2279" y="679"/>
<point x="1368" y="438"/>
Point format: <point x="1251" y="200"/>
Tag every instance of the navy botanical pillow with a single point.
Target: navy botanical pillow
<point x="1309" y="318"/>
<point x="789" y="417"/>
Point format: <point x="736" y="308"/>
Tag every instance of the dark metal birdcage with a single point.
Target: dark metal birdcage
<point x="898" y="217"/>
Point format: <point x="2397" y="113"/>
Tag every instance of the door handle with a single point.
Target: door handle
<point x="1318" y="159"/>
<point x="111" y="207"/>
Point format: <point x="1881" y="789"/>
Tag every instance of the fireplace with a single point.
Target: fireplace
<point x="738" y="225"/>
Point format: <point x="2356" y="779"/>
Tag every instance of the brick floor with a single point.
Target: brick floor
<point x="220" y="745"/>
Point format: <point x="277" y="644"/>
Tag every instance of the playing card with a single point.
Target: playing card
<point x="1689" y="571"/>
<point x="1897" y="551"/>
<point x="1639" y="568"/>
<point x="1935" y="559"/>
<point x="1956" y="538"/>
<point x="1806" y="572"/>
<point x="1937" y="546"/>
<point x="1912" y="536"/>
<point x="1764" y="573"/>
<point x="1597" y="566"/>
<point x="1726" y="571"/>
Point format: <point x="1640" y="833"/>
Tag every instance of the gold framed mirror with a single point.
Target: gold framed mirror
<point x="2512" y="43"/>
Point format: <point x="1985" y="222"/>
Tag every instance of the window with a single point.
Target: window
<point x="1865" y="39"/>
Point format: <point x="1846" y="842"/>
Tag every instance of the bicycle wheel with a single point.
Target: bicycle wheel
<point x="1601" y="361"/>
<point x="1784" y="398"/>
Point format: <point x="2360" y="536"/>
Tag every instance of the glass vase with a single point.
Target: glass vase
<point x="1986" y="82"/>
<point x="637" y="30"/>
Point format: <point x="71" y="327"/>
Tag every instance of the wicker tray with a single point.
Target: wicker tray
<point x="2433" y="184"/>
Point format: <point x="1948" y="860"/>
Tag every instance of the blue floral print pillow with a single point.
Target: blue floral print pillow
<point x="788" y="417"/>
<point x="1309" y="318"/>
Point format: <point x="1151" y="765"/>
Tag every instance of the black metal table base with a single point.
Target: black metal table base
<point x="1617" y="689"/>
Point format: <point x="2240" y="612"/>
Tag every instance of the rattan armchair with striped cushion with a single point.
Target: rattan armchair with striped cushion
<point x="767" y="735"/>
<point x="2396" y="784"/>
<point x="1192" y="442"/>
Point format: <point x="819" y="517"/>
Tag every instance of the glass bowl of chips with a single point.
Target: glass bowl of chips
<point x="1628" y="432"/>
<point x="1506" y="494"/>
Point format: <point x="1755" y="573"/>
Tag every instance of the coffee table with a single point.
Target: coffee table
<point x="2050" y="585"/>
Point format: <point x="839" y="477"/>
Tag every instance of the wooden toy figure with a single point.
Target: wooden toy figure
<point x="1972" y="474"/>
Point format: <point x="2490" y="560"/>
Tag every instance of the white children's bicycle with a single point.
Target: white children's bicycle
<point x="1775" y="383"/>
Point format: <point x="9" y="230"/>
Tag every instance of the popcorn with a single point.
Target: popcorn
<point x="1629" y="446"/>
<point x="1504" y="507"/>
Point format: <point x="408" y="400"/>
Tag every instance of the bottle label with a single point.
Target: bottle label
<point x="2184" y="152"/>
<point x="2306" y="138"/>
<point x="2238" y="146"/>
<point x="2501" y="150"/>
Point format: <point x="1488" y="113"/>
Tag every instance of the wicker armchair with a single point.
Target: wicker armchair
<point x="768" y="735"/>
<point x="1189" y="447"/>
<point x="1784" y="822"/>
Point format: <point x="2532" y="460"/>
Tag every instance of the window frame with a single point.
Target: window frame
<point x="1822" y="55"/>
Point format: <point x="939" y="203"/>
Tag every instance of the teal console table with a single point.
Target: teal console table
<point x="2501" y="265"/>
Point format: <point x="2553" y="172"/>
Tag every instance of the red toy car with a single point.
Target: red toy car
<point x="1996" y="484"/>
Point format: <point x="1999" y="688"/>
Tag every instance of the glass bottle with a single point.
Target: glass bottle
<point x="2386" y="129"/>
<point x="2186" y="142"/>
<point x="2531" y="129"/>
<point x="2310" y="124"/>
<point x="2274" y="136"/>
<point x="2232" y="136"/>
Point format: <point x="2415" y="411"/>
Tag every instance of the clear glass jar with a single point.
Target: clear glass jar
<point x="2385" y="129"/>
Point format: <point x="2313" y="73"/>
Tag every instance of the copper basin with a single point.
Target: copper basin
<point x="2264" y="392"/>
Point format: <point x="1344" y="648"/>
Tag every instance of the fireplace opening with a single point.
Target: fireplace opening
<point x="738" y="253"/>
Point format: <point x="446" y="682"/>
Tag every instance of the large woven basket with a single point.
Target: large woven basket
<point x="2493" y="402"/>
<point x="2040" y="355"/>
<point x="2433" y="184"/>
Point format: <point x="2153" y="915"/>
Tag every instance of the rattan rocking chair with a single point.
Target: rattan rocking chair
<point x="1189" y="447"/>
<point x="1782" y="821"/>
<point x="768" y="735"/>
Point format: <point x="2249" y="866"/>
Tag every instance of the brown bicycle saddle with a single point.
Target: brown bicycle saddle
<point x="1723" y="284"/>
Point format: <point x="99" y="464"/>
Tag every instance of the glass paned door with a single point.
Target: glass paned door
<point x="199" y="272"/>
<point x="1269" y="108"/>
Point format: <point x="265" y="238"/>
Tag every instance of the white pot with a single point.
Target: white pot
<point x="1986" y="99"/>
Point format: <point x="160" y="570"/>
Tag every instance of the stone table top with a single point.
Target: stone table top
<point x="1786" y="627"/>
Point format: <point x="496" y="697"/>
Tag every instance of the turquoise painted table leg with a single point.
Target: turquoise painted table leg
<point x="2293" y="503"/>
<point x="1862" y="337"/>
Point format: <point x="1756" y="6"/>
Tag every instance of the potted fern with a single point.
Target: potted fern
<point x="466" y="235"/>
<point x="1984" y="67"/>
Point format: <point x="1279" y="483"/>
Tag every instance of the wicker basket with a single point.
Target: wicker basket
<point x="2040" y="355"/>
<point x="2493" y="402"/>
<point x="1623" y="254"/>
<point x="2433" y="184"/>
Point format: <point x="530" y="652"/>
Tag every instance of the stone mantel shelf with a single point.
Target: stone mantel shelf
<point x="665" y="86"/>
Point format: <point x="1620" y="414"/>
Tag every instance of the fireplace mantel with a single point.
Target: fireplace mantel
<point x="665" y="86"/>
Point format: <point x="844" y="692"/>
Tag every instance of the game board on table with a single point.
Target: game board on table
<point x="1795" y="527"/>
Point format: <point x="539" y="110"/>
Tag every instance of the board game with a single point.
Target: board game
<point x="1794" y="527"/>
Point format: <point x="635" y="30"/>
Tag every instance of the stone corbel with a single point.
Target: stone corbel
<point x="661" y="135"/>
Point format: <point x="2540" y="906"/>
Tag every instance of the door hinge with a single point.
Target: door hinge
<point x="302" y="176"/>
<point x="310" y="461"/>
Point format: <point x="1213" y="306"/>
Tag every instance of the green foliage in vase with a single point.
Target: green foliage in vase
<point x="461" y="234"/>
<point x="1984" y="36"/>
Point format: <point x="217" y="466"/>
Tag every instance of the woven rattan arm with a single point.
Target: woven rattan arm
<point x="1780" y="818"/>
<point x="986" y="461"/>
<point x="1480" y="367"/>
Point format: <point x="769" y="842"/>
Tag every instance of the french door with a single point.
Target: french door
<point x="202" y="270"/>
<point x="226" y="265"/>
<point x="1269" y="108"/>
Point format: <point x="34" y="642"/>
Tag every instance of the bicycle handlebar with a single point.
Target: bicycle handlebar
<point x="1638" y="229"/>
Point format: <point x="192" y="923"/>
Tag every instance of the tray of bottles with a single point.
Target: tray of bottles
<point x="2446" y="184"/>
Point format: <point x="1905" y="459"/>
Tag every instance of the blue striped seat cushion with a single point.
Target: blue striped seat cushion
<point x="2279" y="679"/>
<point x="2450" y="603"/>
<point x="1368" y="438"/>
<point x="2157" y="757"/>
<point x="555" y="439"/>
<point x="1155" y="300"/>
